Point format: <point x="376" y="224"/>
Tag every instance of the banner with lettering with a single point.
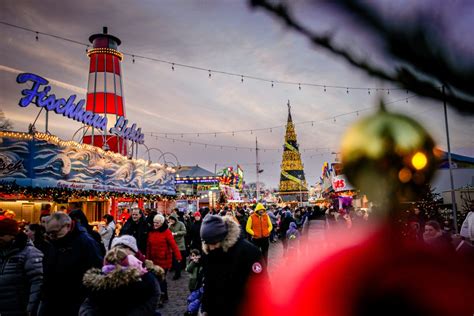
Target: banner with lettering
<point x="340" y="183"/>
<point x="44" y="161"/>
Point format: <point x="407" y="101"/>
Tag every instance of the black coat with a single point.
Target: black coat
<point x="65" y="264"/>
<point x="139" y="230"/>
<point x="21" y="277"/>
<point x="195" y="235"/>
<point x="120" y="293"/>
<point x="227" y="271"/>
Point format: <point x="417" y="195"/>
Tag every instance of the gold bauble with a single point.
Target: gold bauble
<point x="388" y="156"/>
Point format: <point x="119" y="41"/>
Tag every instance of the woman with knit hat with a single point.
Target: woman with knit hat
<point x="160" y="249"/>
<point x="122" y="279"/>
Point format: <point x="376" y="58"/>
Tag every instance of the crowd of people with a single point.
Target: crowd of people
<point x="62" y="265"/>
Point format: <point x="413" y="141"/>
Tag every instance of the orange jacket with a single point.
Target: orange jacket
<point x="259" y="226"/>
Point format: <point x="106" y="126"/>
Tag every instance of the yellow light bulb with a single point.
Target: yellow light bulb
<point x="419" y="160"/>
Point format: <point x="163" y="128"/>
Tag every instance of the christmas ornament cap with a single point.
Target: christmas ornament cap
<point x="388" y="155"/>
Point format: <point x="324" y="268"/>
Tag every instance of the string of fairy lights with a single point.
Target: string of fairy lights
<point x="181" y="139"/>
<point x="210" y="71"/>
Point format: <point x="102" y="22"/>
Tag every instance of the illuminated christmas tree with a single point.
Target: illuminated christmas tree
<point x="293" y="185"/>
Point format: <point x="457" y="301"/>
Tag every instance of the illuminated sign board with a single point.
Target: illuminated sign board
<point x="187" y="181"/>
<point x="68" y="108"/>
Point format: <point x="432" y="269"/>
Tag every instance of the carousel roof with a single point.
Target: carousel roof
<point x="193" y="172"/>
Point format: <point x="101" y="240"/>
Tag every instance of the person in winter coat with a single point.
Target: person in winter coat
<point x="194" y="268"/>
<point x="259" y="226"/>
<point x="80" y="218"/>
<point x="160" y="249"/>
<point x="21" y="273"/>
<point x="178" y="230"/>
<point x="435" y="238"/>
<point x="136" y="226"/>
<point x="229" y="261"/>
<point x="293" y="238"/>
<point x="72" y="253"/>
<point x="285" y="221"/>
<point x="195" y="232"/>
<point x="242" y="218"/>
<point x="274" y="221"/>
<point x="121" y="287"/>
<point x="107" y="231"/>
<point x="35" y="233"/>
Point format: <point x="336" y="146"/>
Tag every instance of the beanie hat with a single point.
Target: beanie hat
<point x="197" y="214"/>
<point x="125" y="240"/>
<point x="8" y="227"/>
<point x="213" y="229"/>
<point x="259" y="207"/>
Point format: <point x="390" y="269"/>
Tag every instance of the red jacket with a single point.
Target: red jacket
<point x="161" y="246"/>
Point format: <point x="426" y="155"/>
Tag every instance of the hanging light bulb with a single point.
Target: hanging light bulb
<point x="299" y="86"/>
<point x="36" y="37"/>
<point x="133" y="58"/>
<point x="324" y="88"/>
<point x="242" y="79"/>
<point x="210" y="74"/>
<point x="368" y="91"/>
<point x="272" y="84"/>
<point x="347" y="90"/>
<point x="215" y="135"/>
<point x="232" y="133"/>
<point x="197" y="134"/>
<point x="172" y="66"/>
<point x="388" y="91"/>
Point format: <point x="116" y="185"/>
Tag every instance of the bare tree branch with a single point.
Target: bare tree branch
<point x="5" y="124"/>
<point x="427" y="67"/>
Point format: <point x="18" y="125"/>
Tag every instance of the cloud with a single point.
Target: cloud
<point x="53" y="82"/>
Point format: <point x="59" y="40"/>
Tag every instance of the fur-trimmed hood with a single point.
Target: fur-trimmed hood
<point x="230" y="239"/>
<point x="95" y="280"/>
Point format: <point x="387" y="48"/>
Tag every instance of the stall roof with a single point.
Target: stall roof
<point x="193" y="172"/>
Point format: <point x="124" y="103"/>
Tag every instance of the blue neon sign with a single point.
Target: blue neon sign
<point x="73" y="110"/>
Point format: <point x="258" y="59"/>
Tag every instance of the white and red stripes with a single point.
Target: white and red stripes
<point x="104" y="96"/>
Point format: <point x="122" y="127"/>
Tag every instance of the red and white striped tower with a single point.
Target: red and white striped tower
<point x="104" y="91"/>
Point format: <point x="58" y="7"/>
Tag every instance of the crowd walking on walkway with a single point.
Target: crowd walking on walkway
<point x="63" y="266"/>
